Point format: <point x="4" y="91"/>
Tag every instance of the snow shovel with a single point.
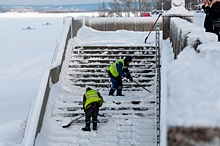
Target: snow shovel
<point x="67" y="122"/>
<point x="141" y="86"/>
<point x="152" y="28"/>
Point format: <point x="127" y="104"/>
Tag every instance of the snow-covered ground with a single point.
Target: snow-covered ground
<point x="23" y="56"/>
<point x="192" y="79"/>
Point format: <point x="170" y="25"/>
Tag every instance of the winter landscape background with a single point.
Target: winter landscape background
<point x="50" y="7"/>
<point x="192" y="78"/>
<point x="23" y="56"/>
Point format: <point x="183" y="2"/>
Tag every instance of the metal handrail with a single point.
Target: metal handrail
<point x="158" y="85"/>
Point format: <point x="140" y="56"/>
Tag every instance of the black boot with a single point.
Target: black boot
<point x="87" y="128"/>
<point x="119" y="92"/>
<point x="111" y="92"/>
<point x="120" y="95"/>
<point x="94" y="126"/>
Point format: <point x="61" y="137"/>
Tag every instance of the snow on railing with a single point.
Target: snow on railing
<point x="184" y="33"/>
<point x="61" y="46"/>
<point x="196" y="38"/>
<point x="179" y="29"/>
<point x="118" y="23"/>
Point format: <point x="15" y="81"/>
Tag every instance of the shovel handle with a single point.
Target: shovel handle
<point x="78" y="118"/>
<point x="141" y="86"/>
<point x="67" y="125"/>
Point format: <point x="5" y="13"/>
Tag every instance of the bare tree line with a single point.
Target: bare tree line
<point x="128" y="7"/>
<point x="193" y="4"/>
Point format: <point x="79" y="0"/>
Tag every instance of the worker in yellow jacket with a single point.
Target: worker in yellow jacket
<point x="117" y="71"/>
<point x="92" y="100"/>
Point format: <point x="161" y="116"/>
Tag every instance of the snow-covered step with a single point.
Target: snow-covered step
<point x="131" y="103"/>
<point x="108" y="109"/>
<point x="98" y="65"/>
<point x="101" y="74"/>
<point x="112" y="49"/>
<point x="115" y="48"/>
<point x="105" y="81"/>
<point x="120" y="132"/>
<point x="109" y="60"/>
<point x="106" y="106"/>
<point x="108" y="113"/>
<point x="139" y="70"/>
<point x="105" y="76"/>
<point x="110" y="55"/>
<point x="107" y="85"/>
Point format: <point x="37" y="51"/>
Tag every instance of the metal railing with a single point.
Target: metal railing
<point x="158" y="86"/>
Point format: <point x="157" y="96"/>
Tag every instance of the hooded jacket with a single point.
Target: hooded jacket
<point x="92" y="98"/>
<point x="120" y="68"/>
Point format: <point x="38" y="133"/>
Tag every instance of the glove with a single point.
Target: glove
<point x="131" y="79"/>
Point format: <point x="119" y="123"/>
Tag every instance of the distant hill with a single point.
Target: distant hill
<point x="50" y="8"/>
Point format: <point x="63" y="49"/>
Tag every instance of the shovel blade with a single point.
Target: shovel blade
<point x="66" y="122"/>
<point x="66" y="126"/>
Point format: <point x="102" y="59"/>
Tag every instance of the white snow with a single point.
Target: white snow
<point x="110" y="38"/>
<point x="178" y="10"/>
<point x="209" y="47"/>
<point x="193" y="79"/>
<point x="193" y="95"/>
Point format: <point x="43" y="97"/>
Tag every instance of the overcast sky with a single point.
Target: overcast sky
<point x="55" y="2"/>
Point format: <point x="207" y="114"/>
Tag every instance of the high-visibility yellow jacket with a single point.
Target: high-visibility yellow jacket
<point x="92" y="96"/>
<point x="113" y="67"/>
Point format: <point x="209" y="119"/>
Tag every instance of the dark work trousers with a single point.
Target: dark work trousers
<point x="91" y="112"/>
<point x="117" y="84"/>
<point x="217" y="32"/>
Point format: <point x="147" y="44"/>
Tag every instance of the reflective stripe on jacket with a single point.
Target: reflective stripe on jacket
<point x="113" y="67"/>
<point x="91" y="96"/>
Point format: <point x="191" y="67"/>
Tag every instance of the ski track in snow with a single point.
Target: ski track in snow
<point x="18" y="72"/>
